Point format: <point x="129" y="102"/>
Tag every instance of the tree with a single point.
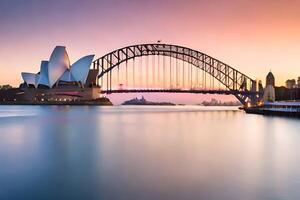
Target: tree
<point x="5" y="87"/>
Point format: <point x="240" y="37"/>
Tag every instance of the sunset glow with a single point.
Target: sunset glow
<point x="251" y="36"/>
<point x="149" y="99"/>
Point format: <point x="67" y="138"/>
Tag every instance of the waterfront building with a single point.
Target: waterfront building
<point x="270" y="79"/>
<point x="260" y="86"/>
<point x="269" y="91"/>
<point x="58" y="81"/>
<point x="58" y="71"/>
<point x="290" y="84"/>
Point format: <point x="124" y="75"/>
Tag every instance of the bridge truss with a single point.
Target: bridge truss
<point x="171" y="68"/>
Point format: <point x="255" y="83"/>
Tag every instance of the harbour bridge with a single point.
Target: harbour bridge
<point x="170" y="68"/>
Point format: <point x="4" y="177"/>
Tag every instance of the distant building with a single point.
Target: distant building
<point x="291" y="83"/>
<point x="260" y="86"/>
<point x="298" y="82"/>
<point x="270" y="79"/>
<point x="269" y="91"/>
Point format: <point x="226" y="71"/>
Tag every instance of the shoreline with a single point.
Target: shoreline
<point x="96" y="102"/>
<point x="271" y="112"/>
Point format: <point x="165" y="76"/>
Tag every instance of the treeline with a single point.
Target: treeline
<point x="5" y="87"/>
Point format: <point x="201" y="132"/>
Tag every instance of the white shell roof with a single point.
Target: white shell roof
<point x="58" y="69"/>
<point x="37" y="77"/>
<point x="29" y="78"/>
<point x="58" y="64"/>
<point x="44" y="78"/>
<point x="80" y="69"/>
<point x="67" y="76"/>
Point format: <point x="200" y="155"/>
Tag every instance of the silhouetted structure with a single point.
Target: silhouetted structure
<point x="269" y="92"/>
<point x="270" y="79"/>
<point x="285" y="94"/>
<point x="143" y="101"/>
<point x="290" y="84"/>
<point x="178" y="67"/>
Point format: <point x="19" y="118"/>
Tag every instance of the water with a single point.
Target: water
<point x="185" y="152"/>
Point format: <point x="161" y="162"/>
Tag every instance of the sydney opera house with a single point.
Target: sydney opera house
<point x="58" y="81"/>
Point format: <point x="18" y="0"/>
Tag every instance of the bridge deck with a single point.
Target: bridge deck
<point x="225" y="92"/>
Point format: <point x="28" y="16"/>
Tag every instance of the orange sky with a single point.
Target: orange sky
<point x="251" y="36"/>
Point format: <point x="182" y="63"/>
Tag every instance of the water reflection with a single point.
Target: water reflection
<point x="59" y="152"/>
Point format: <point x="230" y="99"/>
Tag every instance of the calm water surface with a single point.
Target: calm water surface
<point x="155" y="153"/>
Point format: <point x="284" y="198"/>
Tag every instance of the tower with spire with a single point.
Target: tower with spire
<point x="269" y="91"/>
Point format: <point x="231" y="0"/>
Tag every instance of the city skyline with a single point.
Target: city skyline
<point x="253" y="37"/>
<point x="149" y="99"/>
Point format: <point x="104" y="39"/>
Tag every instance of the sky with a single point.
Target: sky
<point x="250" y="35"/>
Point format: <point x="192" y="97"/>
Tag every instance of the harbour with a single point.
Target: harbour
<point x="287" y="109"/>
<point x="146" y="152"/>
<point x="149" y="100"/>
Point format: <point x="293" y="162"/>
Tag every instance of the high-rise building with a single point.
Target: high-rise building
<point x="298" y="82"/>
<point x="260" y="86"/>
<point x="270" y="80"/>
<point x="269" y="91"/>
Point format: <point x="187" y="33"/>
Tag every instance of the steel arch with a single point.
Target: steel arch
<point x="240" y="85"/>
